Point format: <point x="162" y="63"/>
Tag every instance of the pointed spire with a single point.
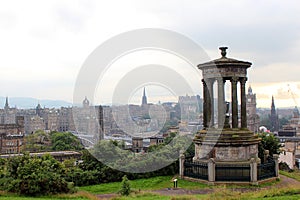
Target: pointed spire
<point x="6" y="103"/>
<point x="144" y="99"/>
<point x="274" y="117"/>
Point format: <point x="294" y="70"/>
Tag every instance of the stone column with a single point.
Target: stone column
<point x="243" y="103"/>
<point x="253" y="171"/>
<point x="205" y="100"/>
<point x="181" y="164"/>
<point x="211" y="171"/>
<point x="196" y="152"/>
<point x="221" y="101"/>
<point x="210" y="103"/>
<point x="276" y="157"/>
<point x="234" y="102"/>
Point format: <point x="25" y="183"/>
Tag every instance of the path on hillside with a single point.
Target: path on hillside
<point x="285" y="182"/>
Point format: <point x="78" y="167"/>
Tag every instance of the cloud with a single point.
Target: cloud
<point x="283" y="93"/>
<point x="43" y="41"/>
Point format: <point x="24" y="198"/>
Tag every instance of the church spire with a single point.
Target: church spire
<point x="144" y="99"/>
<point x="274" y="117"/>
<point x="273" y="104"/>
<point x="6" y="104"/>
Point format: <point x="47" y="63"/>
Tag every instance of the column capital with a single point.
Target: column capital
<point x="220" y="79"/>
<point x="243" y="80"/>
<point x="209" y="80"/>
<point x="234" y="79"/>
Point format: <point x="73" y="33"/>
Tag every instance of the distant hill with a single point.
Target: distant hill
<point x="27" y="102"/>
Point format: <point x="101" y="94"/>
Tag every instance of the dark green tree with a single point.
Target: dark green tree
<point x="268" y="142"/>
<point x="34" y="176"/>
<point x="65" y="141"/>
<point x="125" y="187"/>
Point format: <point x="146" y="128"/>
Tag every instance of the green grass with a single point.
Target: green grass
<point x="154" y="183"/>
<point x="142" y="190"/>
<point x="77" y="196"/>
<point x="295" y="175"/>
<point x="38" y="198"/>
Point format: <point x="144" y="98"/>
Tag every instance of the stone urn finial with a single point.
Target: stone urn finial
<point x="223" y="51"/>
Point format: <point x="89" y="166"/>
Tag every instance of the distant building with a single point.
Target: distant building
<point x="291" y="142"/>
<point x="88" y="119"/>
<point x="274" y="118"/>
<point x="137" y="144"/>
<point x="8" y="114"/>
<point x="12" y="136"/>
<point x="190" y="108"/>
<point x="294" y="122"/>
<point x="253" y="120"/>
<point x="290" y="152"/>
<point x="156" y="140"/>
<point x="287" y="131"/>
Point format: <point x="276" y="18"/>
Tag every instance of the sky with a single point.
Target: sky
<point x="43" y="44"/>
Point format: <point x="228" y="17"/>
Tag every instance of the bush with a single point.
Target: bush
<point x="34" y="176"/>
<point x="125" y="188"/>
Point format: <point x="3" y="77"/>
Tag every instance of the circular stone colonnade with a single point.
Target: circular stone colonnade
<point x="226" y="150"/>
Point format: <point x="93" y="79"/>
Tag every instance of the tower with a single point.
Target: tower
<point x="273" y="117"/>
<point x="144" y="99"/>
<point x="253" y="120"/>
<point x="85" y="103"/>
<point x="38" y="110"/>
<point x="6" y="107"/>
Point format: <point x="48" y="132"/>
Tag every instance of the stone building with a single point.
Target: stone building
<point x="253" y="120"/>
<point x="33" y="124"/>
<point x="191" y="107"/>
<point x="12" y="136"/>
<point x="8" y="114"/>
<point x="137" y="145"/>
<point x="294" y="123"/>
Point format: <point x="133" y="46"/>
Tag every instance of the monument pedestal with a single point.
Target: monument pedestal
<point x="226" y="145"/>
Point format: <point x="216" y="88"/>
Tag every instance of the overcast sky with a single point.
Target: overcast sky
<point x="43" y="44"/>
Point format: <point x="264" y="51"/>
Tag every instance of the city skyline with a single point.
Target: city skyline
<point x="44" y="44"/>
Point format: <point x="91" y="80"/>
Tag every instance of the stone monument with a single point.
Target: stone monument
<point x="227" y="141"/>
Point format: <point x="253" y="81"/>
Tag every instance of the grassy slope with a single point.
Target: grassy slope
<point x="295" y="175"/>
<point x="163" y="182"/>
<point x="154" y="183"/>
<point x="77" y="196"/>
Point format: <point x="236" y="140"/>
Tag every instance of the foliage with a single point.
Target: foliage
<point x="125" y="187"/>
<point x="38" y="141"/>
<point x="65" y="141"/>
<point x="268" y="142"/>
<point x="41" y="141"/>
<point x="34" y="176"/>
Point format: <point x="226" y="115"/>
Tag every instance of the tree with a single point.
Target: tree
<point x="37" y="141"/>
<point x="65" y="141"/>
<point x="125" y="187"/>
<point x="34" y="176"/>
<point x="268" y="142"/>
